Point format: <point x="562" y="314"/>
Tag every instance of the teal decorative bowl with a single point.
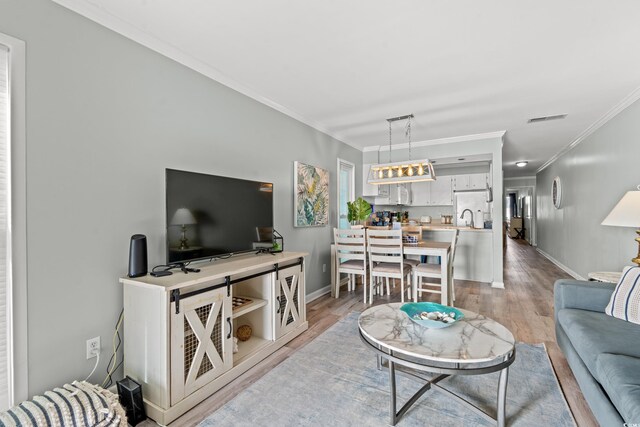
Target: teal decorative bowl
<point x="413" y="310"/>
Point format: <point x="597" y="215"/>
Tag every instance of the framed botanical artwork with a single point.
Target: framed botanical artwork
<point x="556" y="192"/>
<point x="311" y="195"/>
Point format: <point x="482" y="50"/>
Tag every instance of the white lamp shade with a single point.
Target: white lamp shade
<point x="183" y="216"/>
<point x="627" y="212"/>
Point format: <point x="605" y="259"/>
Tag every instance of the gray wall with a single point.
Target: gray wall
<point x="595" y="175"/>
<point x="105" y="117"/>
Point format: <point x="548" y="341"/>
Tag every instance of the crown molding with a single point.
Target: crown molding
<point x="513" y="178"/>
<point x="620" y="106"/>
<point x="450" y="140"/>
<point x="104" y="18"/>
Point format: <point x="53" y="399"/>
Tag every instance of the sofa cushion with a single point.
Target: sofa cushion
<point x="620" y="378"/>
<point x="625" y="300"/>
<point x="592" y="333"/>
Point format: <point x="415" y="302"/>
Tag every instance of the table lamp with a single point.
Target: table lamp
<point x="183" y="217"/>
<point x="627" y="214"/>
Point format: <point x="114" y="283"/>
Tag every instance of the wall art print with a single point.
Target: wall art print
<point x="311" y="204"/>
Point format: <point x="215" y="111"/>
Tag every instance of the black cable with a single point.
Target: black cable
<point x="109" y="380"/>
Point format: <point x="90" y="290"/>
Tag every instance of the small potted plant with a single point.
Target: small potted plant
<point x="357" y="212"/>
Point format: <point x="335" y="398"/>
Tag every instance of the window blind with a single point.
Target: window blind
<point x="5" y="232"/>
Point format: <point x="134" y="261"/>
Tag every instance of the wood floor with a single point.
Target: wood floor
<point x="525" y="307"/>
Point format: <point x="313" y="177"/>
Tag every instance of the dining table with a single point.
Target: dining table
<point x="420" y="248"/>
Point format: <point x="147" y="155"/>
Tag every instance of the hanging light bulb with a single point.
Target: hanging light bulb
<point x="410" y="170"/>
<point x="380" y="174"/>
<point x="390" y="173"/>
<point x="420" y="170"/>
<point x="399" y="170"/>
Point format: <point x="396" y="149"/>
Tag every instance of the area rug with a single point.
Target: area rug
<point x="333" y="381"/>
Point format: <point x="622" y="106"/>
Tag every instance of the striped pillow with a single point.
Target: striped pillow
<point x="625" y="300"/>
<point x="74" y="405"/>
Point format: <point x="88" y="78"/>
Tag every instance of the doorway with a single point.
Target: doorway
<point x="346" y="190"/>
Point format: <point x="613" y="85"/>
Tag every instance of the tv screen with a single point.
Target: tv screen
<point x="210" y="216"/>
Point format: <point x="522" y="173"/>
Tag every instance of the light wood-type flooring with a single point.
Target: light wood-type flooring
<point x="525" y="306"/>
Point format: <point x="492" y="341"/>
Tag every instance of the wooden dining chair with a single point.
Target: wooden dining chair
<point x="386" y="259"/>
<point x="351" y="257"/>
<point x="434" y="271"/>
<point x="412" y="232"/>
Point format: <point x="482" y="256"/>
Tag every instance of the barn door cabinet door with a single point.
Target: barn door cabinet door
<point x="289" y="297"/>
<point x="201" y="341"/>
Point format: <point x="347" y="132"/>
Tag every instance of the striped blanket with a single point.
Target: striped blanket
<point x="74" y="405"/>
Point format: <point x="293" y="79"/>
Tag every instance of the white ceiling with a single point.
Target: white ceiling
<point x="462" y="67"/>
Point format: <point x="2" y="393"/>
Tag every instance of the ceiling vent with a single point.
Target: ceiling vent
<point x="547" y="118"/>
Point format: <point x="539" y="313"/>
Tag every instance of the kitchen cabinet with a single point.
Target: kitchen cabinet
<point x="420" y="193"/>
<point x="382" y="198"/>
<point x="432" y="193"/>
<point x="441" y="192"/>
<point x="368" y="189"/>
<point x="474" y="181"/>
<point x="289" y="300"/>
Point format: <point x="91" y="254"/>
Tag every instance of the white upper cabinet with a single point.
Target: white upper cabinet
<point x="474" y="181"/>
<point x="441" y="192"/>
<point x="368" y="189"/>
<point x="420" y="193"/>
<point x="432" y="193"/>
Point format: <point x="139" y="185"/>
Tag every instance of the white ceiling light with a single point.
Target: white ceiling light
<point x="401" y="172"/>
<point x="522" y="163"/>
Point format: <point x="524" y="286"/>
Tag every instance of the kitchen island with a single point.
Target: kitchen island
<point x="474" y="259"/>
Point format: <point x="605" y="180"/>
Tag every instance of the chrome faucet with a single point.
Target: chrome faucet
<point x="471" y="212"/>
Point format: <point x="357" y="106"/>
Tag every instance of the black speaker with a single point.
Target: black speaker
<point x="130" y="393"/>
<point x="138" y="255"/>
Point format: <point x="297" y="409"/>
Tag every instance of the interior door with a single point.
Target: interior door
<point x="201" y="342"/>
<point x="346" y="190"/>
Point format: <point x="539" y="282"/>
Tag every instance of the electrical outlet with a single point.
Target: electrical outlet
<point x="324" y="268"/>
<point x="93" y="347"/>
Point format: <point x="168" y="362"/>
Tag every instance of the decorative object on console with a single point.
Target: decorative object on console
<point x="556" y="192"/>
<point x="311" y="186"/>
<point x="138" y="255"/>
<point x="244" y="332"/>
<point x="401" y="172"/>
<point x="627" y="214"/>
<point x="278" y="242"/>
<point x="183" y="217"/>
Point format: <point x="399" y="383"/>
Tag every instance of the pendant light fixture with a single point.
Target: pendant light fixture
<point x="401" y="172"/>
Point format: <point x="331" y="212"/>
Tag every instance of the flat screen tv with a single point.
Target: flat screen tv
<point x="211" y="216"/>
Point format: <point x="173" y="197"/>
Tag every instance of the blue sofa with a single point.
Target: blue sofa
<point x="603" y="352"/>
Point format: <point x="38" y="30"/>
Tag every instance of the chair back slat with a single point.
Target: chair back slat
<point x="385" y="246"/>
<point x="350" y="245"/>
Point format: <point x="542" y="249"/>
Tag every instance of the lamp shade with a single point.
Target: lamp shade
<point x="627" y="212"/>
<point x="183" y="216"/>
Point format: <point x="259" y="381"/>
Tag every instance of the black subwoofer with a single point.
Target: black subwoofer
<point x="138" y="255"/>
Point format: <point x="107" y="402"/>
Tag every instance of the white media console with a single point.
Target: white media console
<point x="179" y="329"/>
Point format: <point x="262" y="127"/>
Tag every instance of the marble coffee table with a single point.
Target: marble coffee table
<point x="475" y="345"/>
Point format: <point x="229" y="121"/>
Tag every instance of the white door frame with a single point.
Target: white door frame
<point x="533" y="233"/>
<point x="19" y="380"/>
<point x="352" y="191"/>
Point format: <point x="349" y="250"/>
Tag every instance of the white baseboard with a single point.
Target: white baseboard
<point x="323" y="291"/>
<point x="317" y="294"/>
<point x="563" y="267"/>
<point x="497" y="285"/>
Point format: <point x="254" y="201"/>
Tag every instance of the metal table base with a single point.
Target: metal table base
<point x="395" y="361"/>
